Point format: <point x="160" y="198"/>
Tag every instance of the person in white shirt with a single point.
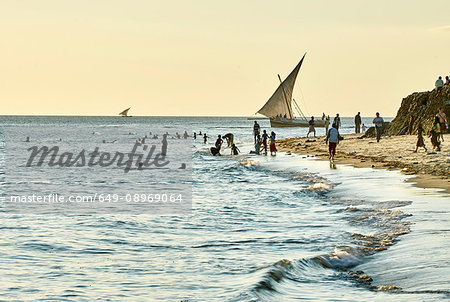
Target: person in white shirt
<point x="439" y="83"/>
<point x="378" y="121"/>
<point x="332" y="141"/>
<point x="311" y="127"/>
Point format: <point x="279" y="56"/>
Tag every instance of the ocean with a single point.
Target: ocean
<point x="248" y="228"/>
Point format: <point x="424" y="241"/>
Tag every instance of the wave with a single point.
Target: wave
<point x="344" y="258"/>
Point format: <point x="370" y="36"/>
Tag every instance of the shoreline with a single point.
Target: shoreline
<point x="430" y="169"/>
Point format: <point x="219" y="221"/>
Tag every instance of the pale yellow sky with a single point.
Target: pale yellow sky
<point x="206" y="57"/>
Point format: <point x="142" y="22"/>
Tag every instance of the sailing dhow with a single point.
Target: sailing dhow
<point x="279" y="107"/>
<point x="125" y="113"/>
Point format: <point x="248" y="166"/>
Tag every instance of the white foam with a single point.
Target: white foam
<point x="249" y="162"/>
<point x="320" y="186"/>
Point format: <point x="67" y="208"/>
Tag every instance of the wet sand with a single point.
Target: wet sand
<point x="432" y="169"/>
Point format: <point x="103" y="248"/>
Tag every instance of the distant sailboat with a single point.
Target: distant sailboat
<point x="125" y="113"/>
<point x="279" y="107"/>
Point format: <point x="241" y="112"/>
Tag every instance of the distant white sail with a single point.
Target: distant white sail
<point x="281" y="100"/>
<point x="125" y="112"/>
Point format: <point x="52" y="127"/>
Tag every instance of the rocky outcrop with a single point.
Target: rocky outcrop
<point x="423" y="106"/>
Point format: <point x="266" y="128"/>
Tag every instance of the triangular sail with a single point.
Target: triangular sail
<point x="125" y="112"/>
<point x="280" y="103"/>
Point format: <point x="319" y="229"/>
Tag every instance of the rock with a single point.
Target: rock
<point x="423" y="106"/>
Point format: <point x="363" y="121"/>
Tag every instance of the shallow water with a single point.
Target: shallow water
<point x="260" y="228"/>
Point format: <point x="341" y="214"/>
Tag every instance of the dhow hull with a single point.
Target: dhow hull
<point x="294" y="123"/>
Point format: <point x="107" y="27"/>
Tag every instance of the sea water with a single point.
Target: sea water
<point x="260" y="228"/>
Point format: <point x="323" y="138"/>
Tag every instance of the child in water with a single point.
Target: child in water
<point x="257" y="144"/>
<point x="273" y="148"/>
<point x="420" y="142"/>
<point x="234" y="150"/>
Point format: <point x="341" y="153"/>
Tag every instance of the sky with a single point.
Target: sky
<point x="208" y="57"/>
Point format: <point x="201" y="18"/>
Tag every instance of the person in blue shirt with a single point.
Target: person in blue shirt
<point x="332" y="141"/>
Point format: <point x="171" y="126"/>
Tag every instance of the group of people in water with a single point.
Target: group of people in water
<point x="229" y="137"/>
<point x="260" y="141"/>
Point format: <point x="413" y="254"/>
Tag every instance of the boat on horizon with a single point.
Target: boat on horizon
<point x="279" y="106"/>
<point x="125" y="113"/>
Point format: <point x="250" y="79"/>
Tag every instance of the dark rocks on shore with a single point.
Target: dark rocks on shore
<point x="423" y="106"/>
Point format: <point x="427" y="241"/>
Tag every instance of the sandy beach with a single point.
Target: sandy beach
<point x="432" y="169"/>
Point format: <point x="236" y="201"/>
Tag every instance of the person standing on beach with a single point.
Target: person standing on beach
<point x="332" y="140"/>
<point x="311" y="127"/>
<point x="273" y="148"/>
<point x="327" y="124"/>
<point x="337" y="121"/>
<point x="378" y="121"/>
<point x="442" y="121"/>
<point x="358" y="123"/>
<point x="420" y="142"/>
<point x="434" y="134"/>
<point x="256" y="129"/>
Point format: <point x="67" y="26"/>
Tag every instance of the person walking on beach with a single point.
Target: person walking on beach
<point x="442" y="121"/>
<point x="378" y="121"/>
<point x="273" y="148"/>
<point x="439" y="83"/>
<point x="420" y="142"/>
<point x="358" y="123"/>
<point x="434" y="134"/>
<point x="256" y="129"/>
<point x="327" y="124"/>
<point x="337" y="121"/>
<point x="311" y="127"/>
<point x="332" y="140"/>
<point x="265" y="136"/>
